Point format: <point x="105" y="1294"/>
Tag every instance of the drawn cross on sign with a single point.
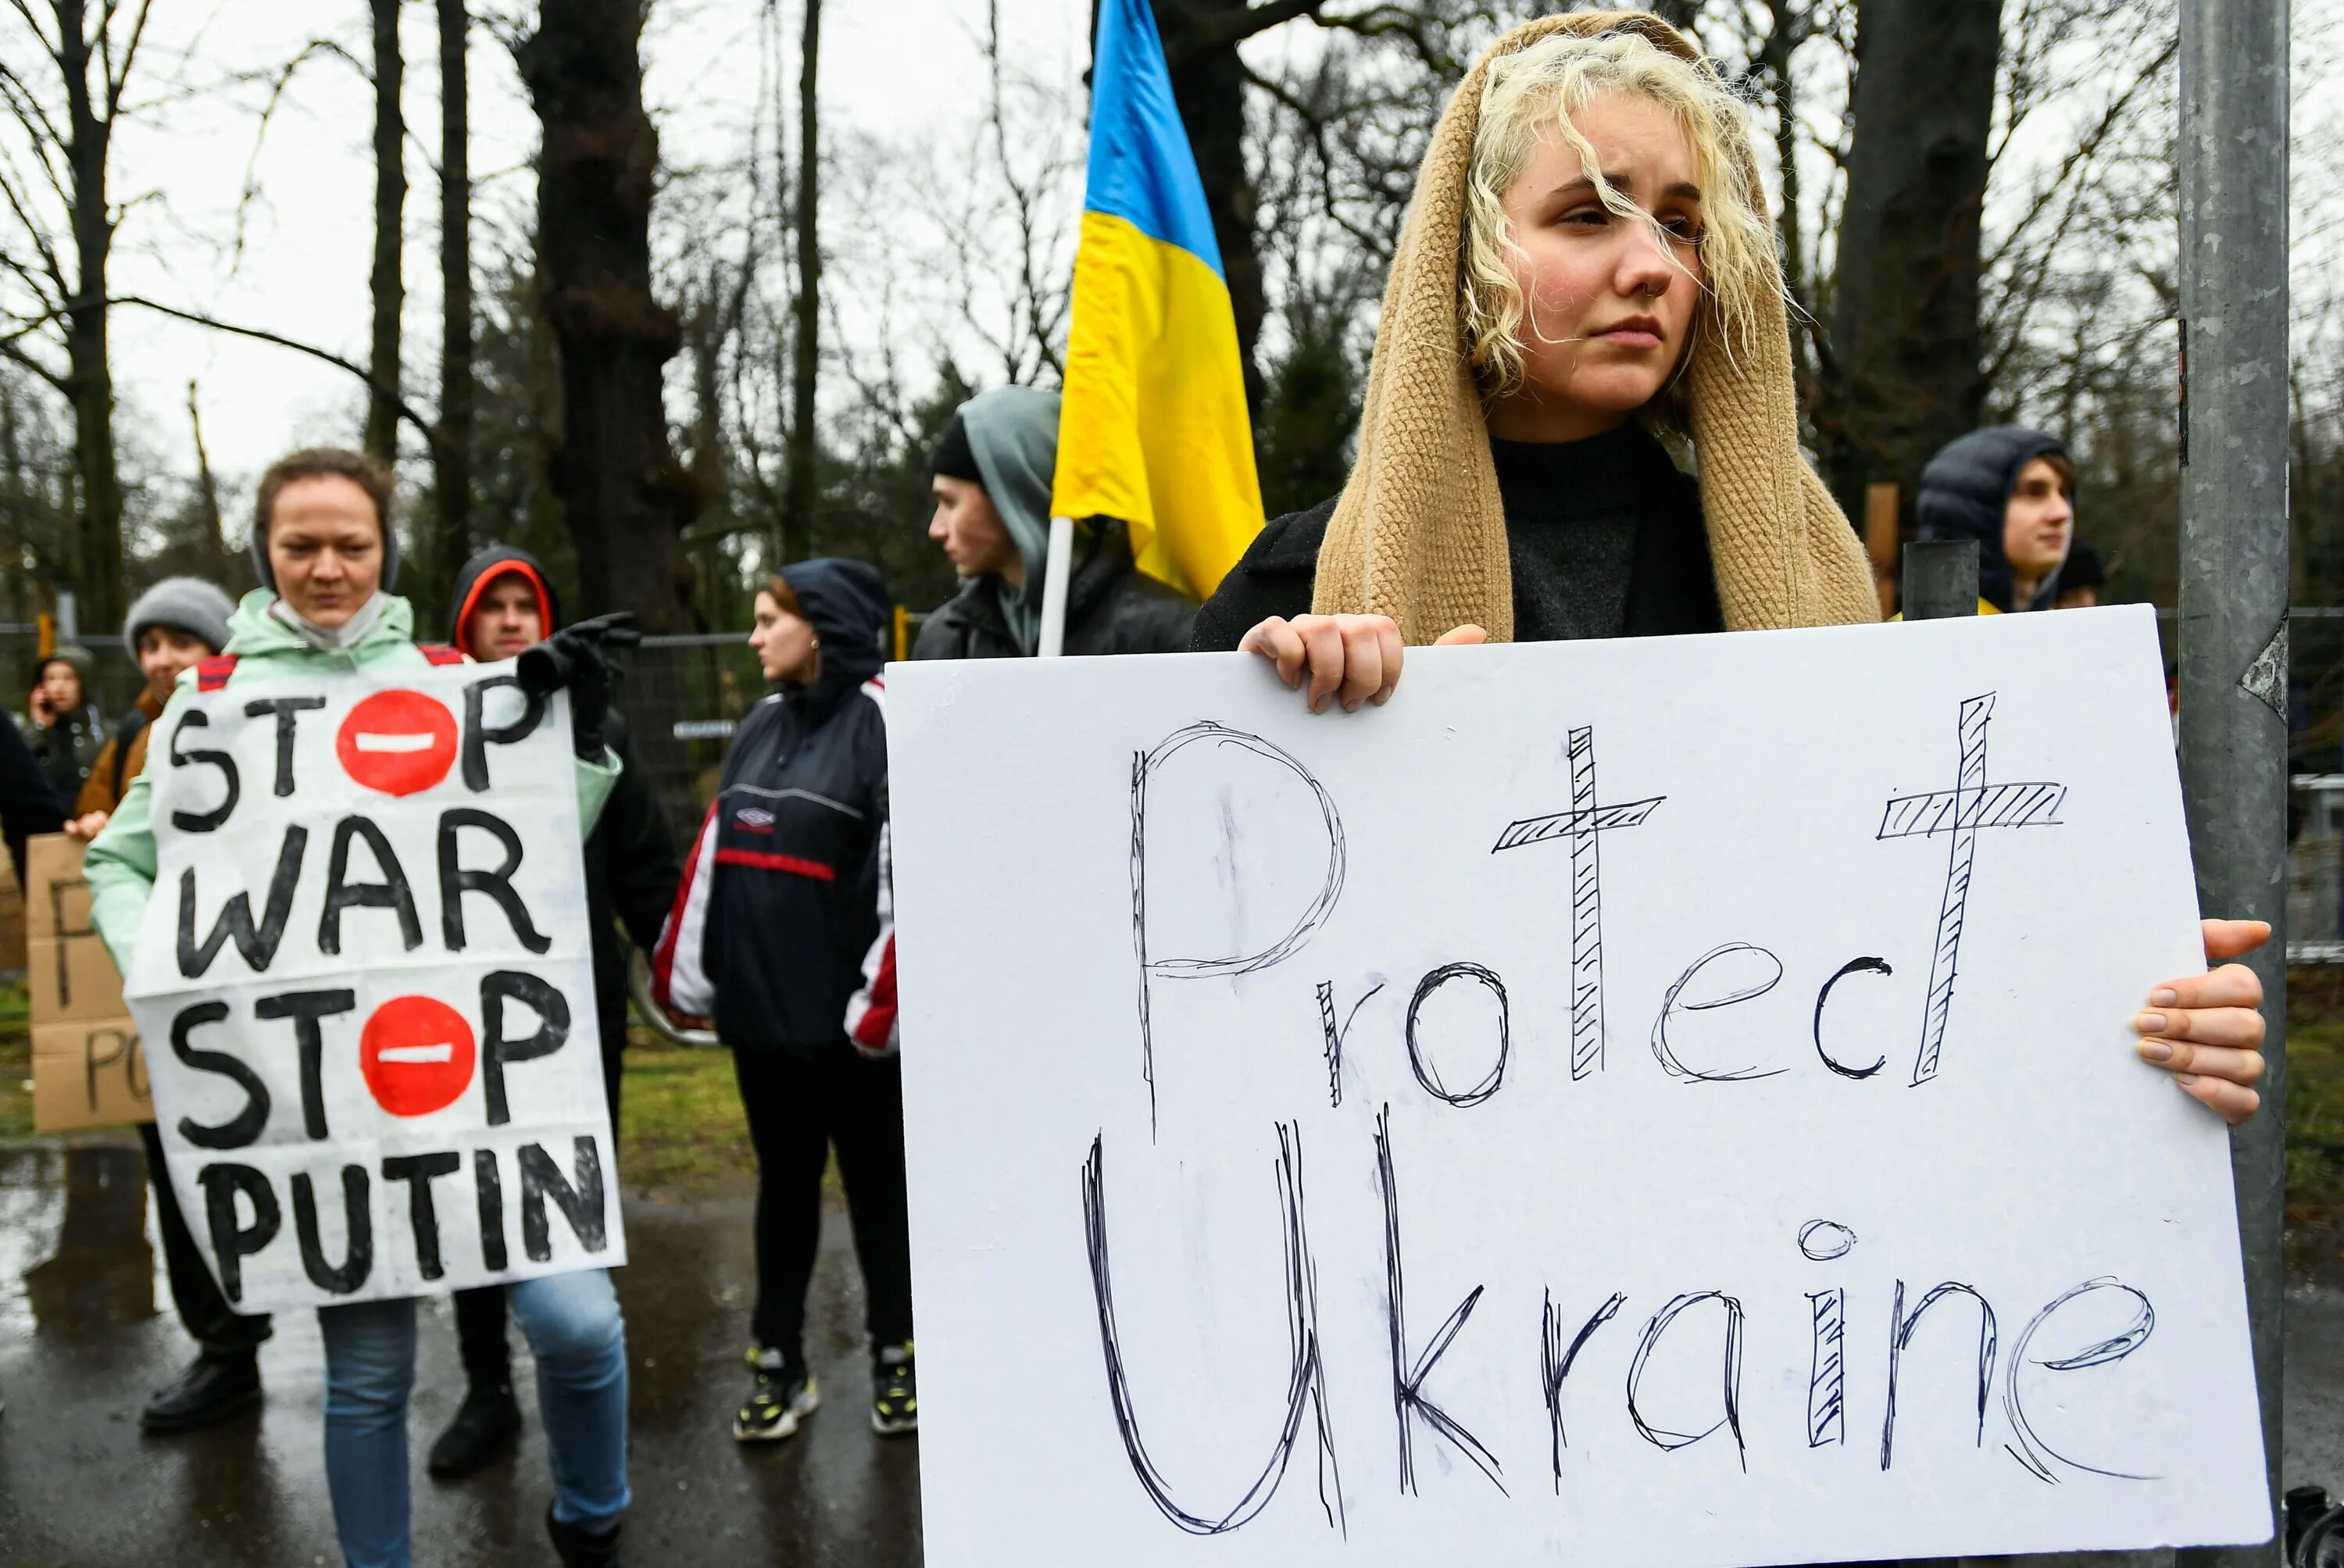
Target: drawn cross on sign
<point x="1972" y="803"/>
<point x="1582" y="824"/>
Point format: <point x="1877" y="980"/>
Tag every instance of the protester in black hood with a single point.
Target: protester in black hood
<point x="2012" y="489"/>
<point x="991" y="472"/>
<point x="503" y="601"/>
<point x="783" y="932"/>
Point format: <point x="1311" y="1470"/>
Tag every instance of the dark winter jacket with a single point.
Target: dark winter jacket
<point x="1966" y="493"/>
<point x="1604" y="538"/>
<point x="783" y="930"/>
<point x="1110" y="609"/>
<point x="67" y="746"/>
<point x="29" y="804"/>
<point x="631" y="868"/>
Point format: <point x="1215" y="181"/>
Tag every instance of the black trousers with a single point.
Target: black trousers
<point x="480" y="1311"/>
<point x="204" y="1311"/>
<point x="800" y="1106"/>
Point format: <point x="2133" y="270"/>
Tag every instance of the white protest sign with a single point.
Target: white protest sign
<point x="366" y="979"/>
<point x="1659" y="1102"/>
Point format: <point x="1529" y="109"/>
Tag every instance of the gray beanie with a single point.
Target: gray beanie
<point x="187" y="604"/>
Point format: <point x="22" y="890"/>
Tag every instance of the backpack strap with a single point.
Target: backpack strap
<point x="439" y="653"/>
<point x="212" y="674"/>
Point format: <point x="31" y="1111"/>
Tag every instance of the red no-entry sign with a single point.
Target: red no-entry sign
<point x="398" y="742"/>
<point x="417" y="1052"/>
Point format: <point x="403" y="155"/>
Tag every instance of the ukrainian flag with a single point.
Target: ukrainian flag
<point x="1153" y="427"/>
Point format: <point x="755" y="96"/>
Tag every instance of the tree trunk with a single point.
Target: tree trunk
<point x="389" y="203"/>
<point x="1776" y="58"/>
<point x="206" y="488"/>
<point x="1905" y="336"/>
<point x="451" y="451"/>
<point x="799" y="484"/>
<point x="1200" y="47"/>
<point x="90" y="371"/>
<point x="625" y="497"/>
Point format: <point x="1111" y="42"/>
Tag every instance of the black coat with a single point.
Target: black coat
<point x="28" y="801"/>
<point x="1111" y="608"/>
<point x="783" y="932"/>
<point x="630" y="866"/>
<point x="66" y="747"/>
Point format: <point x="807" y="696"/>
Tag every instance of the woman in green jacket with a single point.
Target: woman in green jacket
<point x="325" y="551"/>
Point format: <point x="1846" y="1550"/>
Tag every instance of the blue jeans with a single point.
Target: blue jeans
<point x="573" y="1325"/>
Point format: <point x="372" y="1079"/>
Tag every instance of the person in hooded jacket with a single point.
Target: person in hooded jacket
<point x="2011" y="488"/>
<point x="991" y="472"/>
<point x="326" y="554"/>
<point x="65" y="728"/>
<point x="783" y="934"/>
<point x="502" y="603"/>
<point x="1588" y="275"/>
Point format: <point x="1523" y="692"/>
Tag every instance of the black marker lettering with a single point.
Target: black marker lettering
<point x="479" y="737"/>
<point x="1823" y="998"/>
<point x="233" y="1242"/>
<point x="490" y="1192"/>
<point x="285" y="709"/>
<point x="2032" y="1451"/>
<point x="341" y="893"/>
<point x="235" y="921"/>
<point x="306" y="1008"/>
<point x="1334" y="1033"/>
<point x="581" y="1204"/>
<point x="1900" y="1335"/>
<point x="1661" y="1437"/>
<point x="497" y="1050"/>
<point x="422" y="1216"/>
<point x="1426" y="1073"/>
<point x="1555" y="1363"/>
<point x="1307" y="1384"/>
<point x="1408" y="1377"/>
<point x="243" y="1128"/>
<point x="205" y="821"/>
<point x="1144" y="766"/>
<point x="455" y="881"/>
<point x="357" y="1230"/>
<point x="1670" y="1006"/>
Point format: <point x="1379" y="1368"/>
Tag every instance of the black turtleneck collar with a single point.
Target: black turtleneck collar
<point x="1605" y="539"/>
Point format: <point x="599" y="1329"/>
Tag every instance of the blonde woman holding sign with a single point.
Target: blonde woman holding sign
<point x="1587" y="277"/>
<point x="323" y="546"/>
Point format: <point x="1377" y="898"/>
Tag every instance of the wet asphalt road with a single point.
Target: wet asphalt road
<point x="82" y="1342"/>
<point x="86" y="1331"/>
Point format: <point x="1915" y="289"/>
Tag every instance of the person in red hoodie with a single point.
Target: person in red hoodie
<point x="504" y="602"/>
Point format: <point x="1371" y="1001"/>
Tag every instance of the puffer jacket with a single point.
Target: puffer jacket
<point x="1110" y="609"/>
<point x="783" y="927"/>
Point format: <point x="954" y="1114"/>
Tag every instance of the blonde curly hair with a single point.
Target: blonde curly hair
<point x="1537" y="90"/>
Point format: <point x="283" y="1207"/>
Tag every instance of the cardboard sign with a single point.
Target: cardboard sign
<point x="367" y="972"/>
<point x="89" y="1069"/>
<point x="1656" y="1102"/>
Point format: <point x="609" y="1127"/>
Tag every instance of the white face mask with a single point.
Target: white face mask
<point x="332" y="638"/>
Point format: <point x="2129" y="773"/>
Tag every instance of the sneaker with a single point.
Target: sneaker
<point x="895" y="1391"/>
<point x="484" y="1426"/>
<point x="212" y="1389"/>
<point x="780" y="1395"/>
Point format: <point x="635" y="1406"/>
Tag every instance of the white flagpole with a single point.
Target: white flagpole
<point x="1054" y="587"/>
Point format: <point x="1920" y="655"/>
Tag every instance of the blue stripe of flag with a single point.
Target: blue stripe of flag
<point x="1142" y="169"/>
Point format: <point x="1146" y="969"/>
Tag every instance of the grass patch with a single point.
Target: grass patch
<point x="15" y="1062"/>
<point x="682" y="1132"/>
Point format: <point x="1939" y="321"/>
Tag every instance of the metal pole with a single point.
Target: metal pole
<point x="2234" y="576"/>
<point x="1941" y="577"/>
<point x="1060" y="565"/>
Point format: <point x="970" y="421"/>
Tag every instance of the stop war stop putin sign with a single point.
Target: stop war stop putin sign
<point x="368" y="975"/>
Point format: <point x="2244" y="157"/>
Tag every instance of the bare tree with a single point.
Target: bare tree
<point x="626" y="498"/>
<point x="386" y="283"/>
<point x="805" y="316"/>
<point x="451" y="452"/>
<point x="63" y="95"/>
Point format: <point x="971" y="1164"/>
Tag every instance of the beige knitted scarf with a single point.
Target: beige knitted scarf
<point x="1418" y="533"/>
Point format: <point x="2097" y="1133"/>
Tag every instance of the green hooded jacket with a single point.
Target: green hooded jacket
<point x="120" y="865"/>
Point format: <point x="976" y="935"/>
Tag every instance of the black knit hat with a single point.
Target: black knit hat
<point x="953" y="457"/>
